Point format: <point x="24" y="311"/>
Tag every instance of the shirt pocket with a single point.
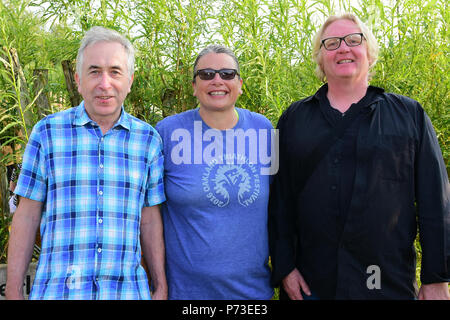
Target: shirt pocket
<point x="394" y="158"/>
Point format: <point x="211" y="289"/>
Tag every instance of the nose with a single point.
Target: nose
<point x="343" y="47"/>
<point x="105" y="81"/>
<point x="216" y="78"/>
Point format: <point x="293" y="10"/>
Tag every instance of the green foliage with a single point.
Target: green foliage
<point x="5" y="222"/>
<point x="271" y="38"/>
<point x="414" y="59"/>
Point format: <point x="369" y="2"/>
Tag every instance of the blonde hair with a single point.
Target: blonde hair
<point x="372" y="45"/>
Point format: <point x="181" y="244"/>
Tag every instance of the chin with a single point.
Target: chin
<point x="216" y="107"/>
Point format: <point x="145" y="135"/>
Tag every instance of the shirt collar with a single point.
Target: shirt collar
<point x="372" y="95"/>
<point x="82" y="118"/>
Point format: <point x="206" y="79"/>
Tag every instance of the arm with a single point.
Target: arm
<point x="281" y="222"/>
<point x="23" y="232"/>
<point x="433" y="203"/>
<point x="152" y="242"/>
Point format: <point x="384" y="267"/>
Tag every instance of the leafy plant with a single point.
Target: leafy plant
<point x="271" y="38"/>
<point x="5" y="221"/>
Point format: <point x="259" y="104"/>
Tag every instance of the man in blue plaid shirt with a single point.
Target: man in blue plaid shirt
<point x="92" y="176"/>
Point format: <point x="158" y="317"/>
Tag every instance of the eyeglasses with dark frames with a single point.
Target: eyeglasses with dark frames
<point x="209" y="74"/>
<point x="333" y="43"/>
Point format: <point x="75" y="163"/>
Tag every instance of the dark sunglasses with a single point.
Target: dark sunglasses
<point x="209" y="74"/>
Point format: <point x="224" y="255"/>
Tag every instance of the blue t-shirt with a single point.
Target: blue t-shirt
<point x="215" y="216"/>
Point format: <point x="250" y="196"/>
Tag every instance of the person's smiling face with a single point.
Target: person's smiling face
<point x="105" y="80"/>
<point x="345" y="62"/>
<point x="217" y="94"/>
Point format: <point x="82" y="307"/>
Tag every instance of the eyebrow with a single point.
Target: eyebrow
<point x="98" y="67"/>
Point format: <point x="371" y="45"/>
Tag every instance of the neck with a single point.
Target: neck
<point x="342" y="94"/>
<point x="221" y="119"/>
<point x="105" y="123"/>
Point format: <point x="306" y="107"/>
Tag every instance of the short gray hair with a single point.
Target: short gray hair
<point x="216" y="48"/>
<point x="99" y="34"/>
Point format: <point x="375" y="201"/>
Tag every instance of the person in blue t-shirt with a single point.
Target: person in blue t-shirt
<point x="217" y="163"/>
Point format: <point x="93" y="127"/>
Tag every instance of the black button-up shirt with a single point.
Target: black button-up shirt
<point x="358" y="208"/>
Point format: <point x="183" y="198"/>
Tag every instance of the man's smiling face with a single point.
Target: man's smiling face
<point x="104" y="81"/>
<point x="345" y="62"/>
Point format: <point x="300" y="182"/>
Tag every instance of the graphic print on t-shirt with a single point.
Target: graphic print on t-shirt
<point x="233" y="179"/>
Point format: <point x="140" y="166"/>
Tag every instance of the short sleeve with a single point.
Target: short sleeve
<point x="32" y="183"/>
<point x="155" y="183"/>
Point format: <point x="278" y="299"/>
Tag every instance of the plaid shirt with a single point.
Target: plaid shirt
<point x="94" y="187"/>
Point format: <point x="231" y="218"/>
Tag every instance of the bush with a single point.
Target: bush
<point x="272" y="40"/>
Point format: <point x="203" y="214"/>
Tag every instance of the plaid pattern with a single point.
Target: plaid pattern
<point x="93" y="188"/>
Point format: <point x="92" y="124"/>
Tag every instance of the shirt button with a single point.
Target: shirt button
<point x="100" y="220"/>
<point x="99" y="250"/>
<point x="100" y="192"/>
<point x="101" y="165"/>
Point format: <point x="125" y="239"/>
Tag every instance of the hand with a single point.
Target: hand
<point x="434" y="291"/>
<point x="293" y="283"/>
<point x="160" y="294"/>
<point x="12" y="294"/>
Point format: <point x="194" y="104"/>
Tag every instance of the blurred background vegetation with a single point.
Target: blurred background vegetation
<point x="271" y="38"/>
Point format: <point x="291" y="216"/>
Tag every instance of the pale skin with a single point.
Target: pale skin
<point x="104" y="84"/>
<point x="20" y="248"/>
<point x="347" y="84"/>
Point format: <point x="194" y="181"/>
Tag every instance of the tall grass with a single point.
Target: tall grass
<point x="272" y="40"/>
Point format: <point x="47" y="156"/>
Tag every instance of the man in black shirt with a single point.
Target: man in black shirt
<point x="360" y="169"/>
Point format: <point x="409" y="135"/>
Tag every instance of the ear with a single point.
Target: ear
<point x="194" y="88"/>
<point x="131" y="83"/>
<point x="240" y="86"/>
<point x="77" y="80"/>
<point x="319" y="61"/>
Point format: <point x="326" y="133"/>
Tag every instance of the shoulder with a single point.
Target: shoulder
<point x="138" y="124"/>
<point x="254" y="119"/>
<point x="296" y="108"/>
<point x="61" y="116"/>
<point x="297" y="105"/>
<point x="400" y="105"/>
<point x="175" y="121"/>
<point x="55" y="120"/>
<point x="141" y="127"/>
<point x="398" y="100"/>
